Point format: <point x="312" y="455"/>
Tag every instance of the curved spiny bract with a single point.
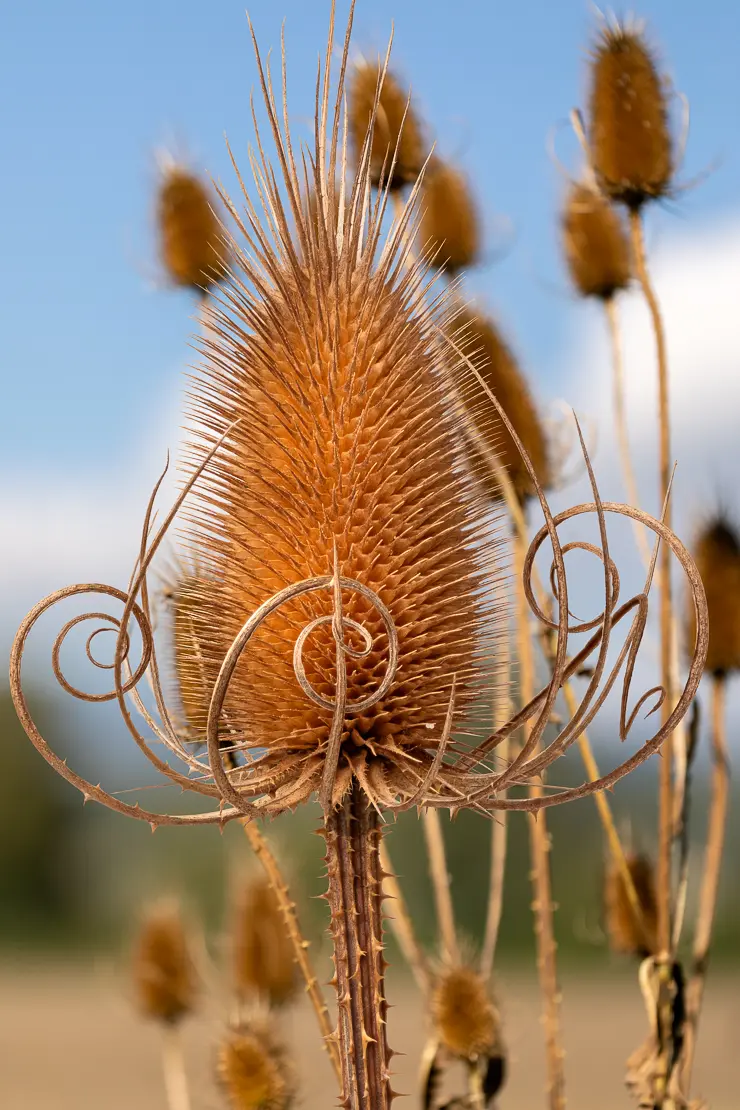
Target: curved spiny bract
<point x="595" y="244"/>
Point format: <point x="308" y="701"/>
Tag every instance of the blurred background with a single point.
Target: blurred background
<point x="95" y="352"/>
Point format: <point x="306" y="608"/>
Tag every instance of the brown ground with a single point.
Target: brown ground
<point x="71" y="1041"/>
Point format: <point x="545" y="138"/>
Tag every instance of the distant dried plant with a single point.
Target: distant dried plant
<point x="629" y="932"/>
<point x="595" y="244"/>
<point x="253" y="1069"/>
<point x="397" y="151"/>
<point x="450" y="231"/>
<point x="191" y="240"/>
<point x="262" y="954"/>
<point x="717" y="554"/>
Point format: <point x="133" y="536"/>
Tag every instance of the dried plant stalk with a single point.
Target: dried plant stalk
<point x="173" y="1061"/>
<point x="401" y="924"/>
<point x="440" y="877"/>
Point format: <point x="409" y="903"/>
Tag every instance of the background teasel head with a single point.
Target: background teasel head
<point x="191" y="240"/>
<point x="464" y="1015"/>
<point x="595" y="243"/>
<point x="629" y="132"/>
<point x="449" y="231"/>
<point x="479" y="340"/>
<point x="628" y="933"/>
<point x="397" y="131"/>
<point x="253" y="1070"/>
<point x="163" y="971"/>
<point x="717" y="555"/>
<point x="262" y="953"/>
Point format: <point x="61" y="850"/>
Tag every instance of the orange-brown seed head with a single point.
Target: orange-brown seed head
<point x="717" y="555"/>
<point x="464" y="1014"/>
<point x="253" y="1070"/>
<point x="450" y="225"/>
<point x="595" y="244"/>
<point x="396" y="131"/>
<point x="164" y="974"/>
<point x="628" y="934"/>
<point x="191" y="241"/>
<point x="262" y="950"/>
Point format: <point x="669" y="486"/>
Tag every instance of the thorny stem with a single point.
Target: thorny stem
<point x="441" y="884"/>
<point x="355" y="895"/>
<point x="173" y="1066"/>
<point x="541" y="878"/>
<point x="300" y="946"/>
<point x="666" y="824"/>
<point x="401" y="924"/>
<point x="711" y="874"/>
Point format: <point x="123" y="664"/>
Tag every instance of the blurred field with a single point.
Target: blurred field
<point x="70" y="1040"/>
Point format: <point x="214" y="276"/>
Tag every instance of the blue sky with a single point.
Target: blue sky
<point x="93" y="350"/>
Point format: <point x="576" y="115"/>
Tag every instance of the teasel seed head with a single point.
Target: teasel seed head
<point x="595" y="244"/>
<point x="197" y="655"/>
<point x="397" y="130"/>
<point x="450" y="225"/>
<point x="191" y="239"/>
<point x="253" y="1069"/>
<point x="717" y="555"/>
<point x="464" y="1014"/>
<point x="480" y="340"/>
<point x="629" y="134"/>
<point x="164" y="974"/>
<point x="262" y="952"/>
<point x="626" y="934"/>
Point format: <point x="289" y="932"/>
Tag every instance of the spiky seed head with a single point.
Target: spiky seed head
<point x="464" y="1014"/>
<point x="253" y="1070"/>
<point x="164" y="975"/>
<point x="626" y="934"/>
<point x="595" y="244"/>
<point x="262" y="951"/>
<point x="195" y="657"/>
<point x="629" y="133"/>
<point x="481" y="341"/>
<point x="450" y="225"/>
<point x="191" y="240"/>
<point x="717" y="555"/>
<point x="396" y="132"/>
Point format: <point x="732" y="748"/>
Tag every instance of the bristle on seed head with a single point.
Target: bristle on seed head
<point x="479" y="340"/>
<point x="164" y="976"/>
<point x="595" y="244"/>
<point x="191" y="239"/>
<point x="449" y="231"/>
<point x="396" y="132"/>
<point x="263" y="964"/>
<point x="253" y="1070"/>
<point x="629" y="134"/>
<point x="629" y="934"/>
<point x="717" y="555"/>
<point x="464" y="1015"/>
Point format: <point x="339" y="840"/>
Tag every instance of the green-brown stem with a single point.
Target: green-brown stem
<point x="355" y="895"/>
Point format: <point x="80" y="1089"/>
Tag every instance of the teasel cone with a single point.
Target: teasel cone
<point x="398" y="150"/>
<point x="479" y="339"/>
<point x="595" y="244"/>
<point x="262" y="954"/>
<point x="192" y="247"/>
<point x="253" y="1069"/>
<point x="467" y="1027"/>
<point x="717" y="556"/>
<point x="629" y="934"/>
<point x="324" y="372"/>
<point x="630" y="138"/>
<point x="450" y="230"/>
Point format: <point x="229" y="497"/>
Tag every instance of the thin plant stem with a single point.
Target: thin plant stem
<point x="173" y="1066"/>
<point x="441" y="885"/>
<point x="499" y="834"/>
<point x="665" y="877"/>
<point x="402" y="926"/>
<point x="300" y="946"/>
<point x="541" y="877"/>
<point x="710" y="872"/>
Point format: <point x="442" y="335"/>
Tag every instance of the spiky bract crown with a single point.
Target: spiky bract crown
<point x="717" y="554"/>
<point x="164" y="975"/>
<point x="595" y="242"/>
<point x="450" y="225"/>
<point x="326" y="353"/>
<point x="480" y="341"/>
<point x="627" y="933"/>
<point x="464" y="1014"/>
<point x="262" y="951"/>
<point x="191" y="240"/>
<point x="629" y="133"/>
<point x="397" y="153"/>
<point x="253" y="1070"/>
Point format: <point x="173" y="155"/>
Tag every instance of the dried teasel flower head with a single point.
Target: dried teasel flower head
<point x="627" y="933"/>
<point x="717" y="555"/>
<point x="464" y="1014"/>
<point x="191" y="239"/>
<point x="253" y="1069"/>
<point x="262" y="952"/>
<point x="450" y="228"/>
<point x="629" y="133"/>
<point x="163" y="971"/>
<point x="188" y="592"/>
<point x="595" y="244"/>
<point x="479" y="340"/>
<point x="397" y="151"/>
